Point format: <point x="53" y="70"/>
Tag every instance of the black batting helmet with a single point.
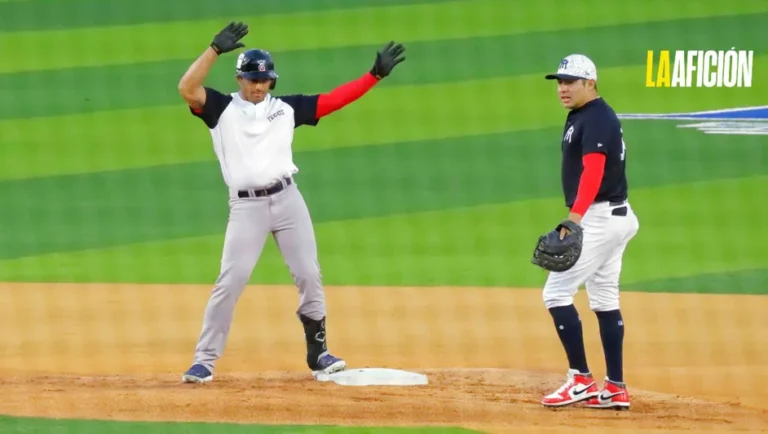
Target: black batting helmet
<point x="255" y="64"/>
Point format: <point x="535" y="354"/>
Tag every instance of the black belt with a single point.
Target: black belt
<point x="621" y="210"/>
<point x="267" y="191"/>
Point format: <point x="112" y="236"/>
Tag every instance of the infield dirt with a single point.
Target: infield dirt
<point x="694" y="363"/>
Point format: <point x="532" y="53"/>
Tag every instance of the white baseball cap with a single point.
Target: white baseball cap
<point x="574" y="67"/>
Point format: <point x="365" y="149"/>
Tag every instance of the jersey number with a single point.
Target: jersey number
<point x="623" y="145"/>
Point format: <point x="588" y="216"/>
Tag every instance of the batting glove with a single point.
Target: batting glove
<point x="386" y="59"/>
<point x="227" y="39"/>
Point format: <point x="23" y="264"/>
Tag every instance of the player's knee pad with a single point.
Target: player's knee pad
<point x="603" y="299"/>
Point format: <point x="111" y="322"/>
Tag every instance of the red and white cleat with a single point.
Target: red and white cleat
<point x="577" y="388"/>
<point x="613" y="396"/>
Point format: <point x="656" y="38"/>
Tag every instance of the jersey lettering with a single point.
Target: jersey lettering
<point x="623" y="145"/>
<point x="594" y="128"/>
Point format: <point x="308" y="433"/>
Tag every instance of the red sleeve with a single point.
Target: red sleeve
<point x="589" y="185"/>
<point x="329" y="102"/>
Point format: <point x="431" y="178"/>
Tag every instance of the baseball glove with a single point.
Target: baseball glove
<point x="553" y="254"/>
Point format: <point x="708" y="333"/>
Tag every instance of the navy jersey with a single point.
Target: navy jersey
<point x="594" y="127"/>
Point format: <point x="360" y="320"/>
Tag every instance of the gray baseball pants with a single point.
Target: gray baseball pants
<point x="251" y="220"/>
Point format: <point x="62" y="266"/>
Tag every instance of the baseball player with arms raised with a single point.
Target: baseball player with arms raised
<point x="252" y="133"/>
<point x="588" y="246"/>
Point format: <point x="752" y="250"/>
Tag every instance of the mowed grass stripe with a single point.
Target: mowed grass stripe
<point x="110" y="208"/>
<point x="302" y="30"/>
<point x="740" y="281"/>
<point x="310" y="30"/>
<point x="12" y="425"/>
<point x="471" y="246"/>
<point x="124" y="139"/>
<point x="187" y="200"/>
<point x="491" y="245"/>
<point x="65" y="14"/>
<point x="169" y="135"/>
<point x="151" y="84"/>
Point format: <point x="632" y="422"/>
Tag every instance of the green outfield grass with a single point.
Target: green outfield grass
<point x="86" y="211"/>
<point x="71" y="14"/>
<point x="46" y="426"/>
<point x="446" y="173"/>
<point x="481" y="245"/>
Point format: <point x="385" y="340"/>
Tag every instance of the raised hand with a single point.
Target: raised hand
<point x="227" y="39"/>
<point x="386" y="59"/>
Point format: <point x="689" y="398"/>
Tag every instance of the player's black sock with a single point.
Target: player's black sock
<point x="612" y="335"/>
<point x="314" y="334"/>
<point x="569" y="329"/>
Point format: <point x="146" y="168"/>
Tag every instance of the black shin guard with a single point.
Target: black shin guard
<point x="314" y="334"/>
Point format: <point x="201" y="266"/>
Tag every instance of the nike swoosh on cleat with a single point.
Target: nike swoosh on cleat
<point x="604" y="397"/>
<point x="582" y="390"/>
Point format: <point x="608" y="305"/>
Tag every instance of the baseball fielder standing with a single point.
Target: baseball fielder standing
<point x="252" y="133"/>
<point x="588" y="246"/>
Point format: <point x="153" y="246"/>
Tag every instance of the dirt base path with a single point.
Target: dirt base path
<point x="693" y="362"/>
